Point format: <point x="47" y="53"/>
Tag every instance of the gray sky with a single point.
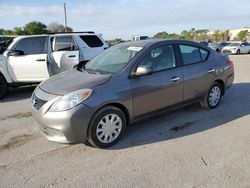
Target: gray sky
<point x="124" y="18"/>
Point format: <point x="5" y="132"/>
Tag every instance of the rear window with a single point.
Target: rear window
<point x="92" y="40"/>
<point x="193" y="54"/>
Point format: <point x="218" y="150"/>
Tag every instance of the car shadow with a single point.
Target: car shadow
<point x="18" y="93"/>
<point x="190" y="120"/>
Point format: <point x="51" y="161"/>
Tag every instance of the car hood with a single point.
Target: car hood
<point x="73" y="80"/>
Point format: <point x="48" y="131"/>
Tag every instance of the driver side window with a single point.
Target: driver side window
<point x="160" y="58"/>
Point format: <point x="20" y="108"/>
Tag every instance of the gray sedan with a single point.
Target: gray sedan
<point x="126" y="84"/>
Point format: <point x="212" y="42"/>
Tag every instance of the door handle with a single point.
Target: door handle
<point x="71" y="56"/>
<point x="175" y="79"/>
<point x="40" y="59"/>
<point x="211" y="70"/>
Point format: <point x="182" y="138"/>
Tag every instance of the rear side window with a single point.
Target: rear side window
<point x="64" y="43"/>
<point x="32" y="45"/>
<point x="204" y="54"/>
<point x="92" y="40"/>
<point x="193" y="54"/>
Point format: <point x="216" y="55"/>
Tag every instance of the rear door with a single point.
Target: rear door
<point x="32" y="66"/>
<point x="198" y="71"/>
<point x="161" y="89"/>
<point x="65" y="53"/>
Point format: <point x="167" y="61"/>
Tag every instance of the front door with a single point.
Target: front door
<point x="32" y="65"/>
<point x="162" y="88"/>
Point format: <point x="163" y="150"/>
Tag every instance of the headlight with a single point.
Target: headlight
<point x="70" y="100"/>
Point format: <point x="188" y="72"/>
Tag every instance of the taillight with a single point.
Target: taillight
<point x="229" y="62"/>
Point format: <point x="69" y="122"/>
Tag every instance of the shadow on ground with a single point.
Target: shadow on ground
<point x="19" y="93"/>
<point x="190" y="120"/>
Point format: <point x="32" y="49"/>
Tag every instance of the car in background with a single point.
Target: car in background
<point x="127" y="83"/>
<point x="237" y="48"/>
<point x="218" y="46"/>
<point x="204" y="43"/>
<point x="34" y="58"/>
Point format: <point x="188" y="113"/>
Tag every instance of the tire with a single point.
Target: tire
<point x="249" y="52"/>
<point x="3" y="87"/>
<point x="238" y="51"/>
<point x="213" y="97"/>
<point x="101" y="133"/>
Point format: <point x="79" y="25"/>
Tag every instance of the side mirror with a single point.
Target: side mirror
<point x="141" y="70"/>
<point x="15" y="53"/>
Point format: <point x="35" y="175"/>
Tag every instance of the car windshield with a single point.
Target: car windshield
<point x="112" y="60"/>
<point x="234" y="44"/>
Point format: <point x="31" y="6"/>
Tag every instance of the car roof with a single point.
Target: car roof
<point x="59" y="34"/>
<point x="149" y="42"/>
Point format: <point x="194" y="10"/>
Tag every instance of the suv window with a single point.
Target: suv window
<point x="32" y="45"/>
<point x="92" y="40"/>
<point x="160" y="58"/>
<point x="64" y="43"/>
<point x="193" y="54"/>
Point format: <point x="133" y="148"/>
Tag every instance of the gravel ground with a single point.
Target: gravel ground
<point x="192" y="147"/>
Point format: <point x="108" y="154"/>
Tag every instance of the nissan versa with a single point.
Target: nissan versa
<point x="127" y="83"/>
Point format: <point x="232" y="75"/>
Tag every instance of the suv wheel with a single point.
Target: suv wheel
<point x="213" y="97"/>
<point x="106" y="127"/>
<point x="3" y="87"/>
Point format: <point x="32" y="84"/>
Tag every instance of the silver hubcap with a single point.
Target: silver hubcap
<point x="109" y="128"/>
<point x="214" y="96"/>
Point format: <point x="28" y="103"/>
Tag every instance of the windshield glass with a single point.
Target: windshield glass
<point x="113" y="60"/>
<point x="234" y="44"/>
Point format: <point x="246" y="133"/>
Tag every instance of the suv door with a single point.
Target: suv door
<point x="65" y="53"/>
<point x="32" y="65"/>
<point x="162" y="88"/>
<point x="198" y="71"/>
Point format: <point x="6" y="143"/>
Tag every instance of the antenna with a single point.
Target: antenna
<point x="65" y="18"/>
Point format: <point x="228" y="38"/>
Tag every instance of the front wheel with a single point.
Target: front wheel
<point x="3" y="87"/>
<point x="213" y="97"/>
<point x="107" y="127"/>
<point x="238" y="51"/>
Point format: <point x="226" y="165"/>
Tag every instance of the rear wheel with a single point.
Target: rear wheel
<point x="3" y="87"/>
<point x="213" y="97"/>
<point x="107" y="127"/>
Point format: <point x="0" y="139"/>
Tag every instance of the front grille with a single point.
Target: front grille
<point x="37" y="102"/>
<point x="227" y="51"/>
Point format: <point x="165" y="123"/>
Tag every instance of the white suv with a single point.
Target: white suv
<point x="32" y="59"/>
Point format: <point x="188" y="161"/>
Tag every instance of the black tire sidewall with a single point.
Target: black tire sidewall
<point x="208" y="103"/>
<point x="238" y="51"/>
<point x="4" y="89"/>
<point x="92" y="137"/>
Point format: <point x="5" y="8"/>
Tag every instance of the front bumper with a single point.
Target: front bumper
<point x="65" y="127"/>
<point x="229" y="51"/>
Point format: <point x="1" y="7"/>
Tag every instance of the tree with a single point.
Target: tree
<point x="55" y="27"/>
<point x="165" y="35"/>
<point x="243" y="35"/>
<point x="34" y="28"/>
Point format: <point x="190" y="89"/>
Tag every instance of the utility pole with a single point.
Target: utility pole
<point x="65" y="18"/>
